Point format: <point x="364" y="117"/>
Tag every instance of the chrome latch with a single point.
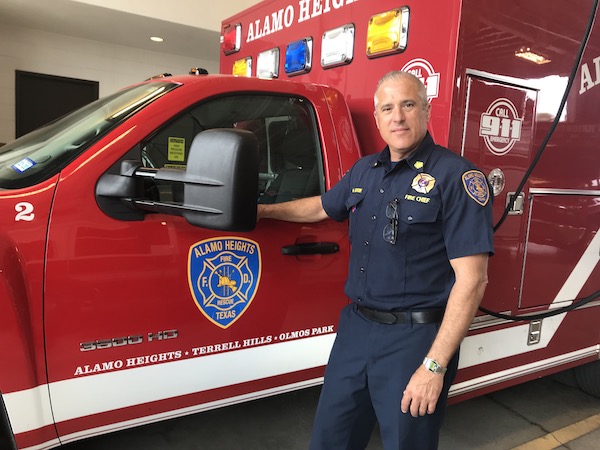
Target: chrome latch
<point x="518" y="205"/>
<point x="535" y="332"/>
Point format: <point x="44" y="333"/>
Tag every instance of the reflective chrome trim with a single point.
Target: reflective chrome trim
<point x="521" y="371"/>
<point x="488" y="320"/>
<point x="564" y="191"/>
<point x="466" y="117"/>
<point x="503" y="79"/>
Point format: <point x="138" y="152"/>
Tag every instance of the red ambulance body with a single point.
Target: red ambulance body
<point x="135" y="287"/>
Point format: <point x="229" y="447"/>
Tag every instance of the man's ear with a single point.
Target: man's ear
<point x="375" y="116"/>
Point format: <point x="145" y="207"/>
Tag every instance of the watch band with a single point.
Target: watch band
<point x="433" y="366"/>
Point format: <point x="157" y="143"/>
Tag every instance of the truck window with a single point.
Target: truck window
<point x="43" y="153"/>
<point x="290" y="156"/>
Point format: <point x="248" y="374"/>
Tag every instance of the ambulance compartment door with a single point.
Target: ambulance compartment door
<point x="498" y="135"/>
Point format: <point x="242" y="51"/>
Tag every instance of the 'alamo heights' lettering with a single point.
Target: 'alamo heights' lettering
<point x="284" y="18"/>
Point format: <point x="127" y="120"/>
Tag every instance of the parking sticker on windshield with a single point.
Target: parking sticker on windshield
<point x="23" y="165"/>
<point x="224" y="274"/>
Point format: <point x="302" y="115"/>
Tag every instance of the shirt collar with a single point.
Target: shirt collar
<point x="416" y="160"/>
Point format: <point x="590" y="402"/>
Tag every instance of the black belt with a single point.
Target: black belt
<point x="394" y="317"/>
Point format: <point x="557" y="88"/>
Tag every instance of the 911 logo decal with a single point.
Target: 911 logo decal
<point x="224" y="274"/>
<point x="500" y="126"/>
<point x="422" y="69"/>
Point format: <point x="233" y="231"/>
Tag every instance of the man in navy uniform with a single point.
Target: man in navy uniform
<point x="421" y="234"/>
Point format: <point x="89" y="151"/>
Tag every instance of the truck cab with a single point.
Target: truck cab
<point x="123" y="284"/>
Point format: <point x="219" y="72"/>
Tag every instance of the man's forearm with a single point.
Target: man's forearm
<point x="303" y="210"/>
<point x="463" y="302"/>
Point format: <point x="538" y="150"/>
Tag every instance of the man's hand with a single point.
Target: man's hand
<point x="422" y="392"/>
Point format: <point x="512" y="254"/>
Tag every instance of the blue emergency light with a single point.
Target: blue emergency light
<point x="298" y="57"/>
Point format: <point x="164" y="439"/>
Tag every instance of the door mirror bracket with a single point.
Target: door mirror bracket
<point x="220" y="184"/>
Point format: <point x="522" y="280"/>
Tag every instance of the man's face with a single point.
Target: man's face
<point x="400" y="116"/>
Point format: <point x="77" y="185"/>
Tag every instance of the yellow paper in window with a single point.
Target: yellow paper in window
<point x="176" y="149"/>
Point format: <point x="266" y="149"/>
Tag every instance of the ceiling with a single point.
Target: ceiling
<point x="89" y="21"/>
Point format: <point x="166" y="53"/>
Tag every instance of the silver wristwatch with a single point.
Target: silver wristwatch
<point x="433" y="366"/>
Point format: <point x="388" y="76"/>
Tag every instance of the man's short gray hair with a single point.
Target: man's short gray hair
<point x="399" y="75"/>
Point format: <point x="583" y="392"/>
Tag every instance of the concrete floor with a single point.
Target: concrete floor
<point x="498" y="421"/>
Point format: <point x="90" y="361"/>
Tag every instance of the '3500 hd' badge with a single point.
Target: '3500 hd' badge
<point x="224" y="274"/>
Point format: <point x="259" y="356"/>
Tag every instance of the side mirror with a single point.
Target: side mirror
<point x="220" y="184"/>
<point x="221" y="180"/>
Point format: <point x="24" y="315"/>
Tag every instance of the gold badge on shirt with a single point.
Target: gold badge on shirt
<point x="423" y="183"/>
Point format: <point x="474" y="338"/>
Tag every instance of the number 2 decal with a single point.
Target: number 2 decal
<point x="24" y="212"/>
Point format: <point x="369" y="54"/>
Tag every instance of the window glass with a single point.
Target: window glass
<point x="290" y="158"/>
<point x="45" y="152"/>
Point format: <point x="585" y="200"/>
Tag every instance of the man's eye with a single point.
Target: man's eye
<point x="409" y="105"/>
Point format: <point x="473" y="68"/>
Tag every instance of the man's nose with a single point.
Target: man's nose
<point x="398" y="114"/>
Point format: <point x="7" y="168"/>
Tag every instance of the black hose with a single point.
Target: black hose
<point x="575" y="303"/>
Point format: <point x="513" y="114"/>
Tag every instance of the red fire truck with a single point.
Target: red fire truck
<point x="136" y="286"/>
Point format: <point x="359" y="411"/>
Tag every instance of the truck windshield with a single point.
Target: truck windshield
<point x="46" y="151"/>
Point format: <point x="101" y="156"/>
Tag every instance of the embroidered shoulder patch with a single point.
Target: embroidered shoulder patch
<point x="476" y="186"/>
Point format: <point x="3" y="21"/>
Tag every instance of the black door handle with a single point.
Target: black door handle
<point x="311" y="248"/>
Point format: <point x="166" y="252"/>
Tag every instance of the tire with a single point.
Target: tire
<point x="7" y="439"/>
<point x="588" y="378"/>
<point x="566" y="377"/>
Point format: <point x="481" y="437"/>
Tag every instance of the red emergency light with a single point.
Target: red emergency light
<point x="231" y="40"/>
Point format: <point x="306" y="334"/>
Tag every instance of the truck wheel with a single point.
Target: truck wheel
<point x="588" y="378"/>
<point x="7" y="439"/>
<point x="566" y="377"/>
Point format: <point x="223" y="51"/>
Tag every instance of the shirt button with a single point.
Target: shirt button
<point x="410" y="218"/>
<point x="381" y="191"/>
<point x="373" y="217"/>
<point x="362" y="270"/>
<point x="366" y="243"/>
<point x="360" y="299"/>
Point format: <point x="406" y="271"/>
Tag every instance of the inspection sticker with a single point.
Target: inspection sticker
<point x="23" y="165"/>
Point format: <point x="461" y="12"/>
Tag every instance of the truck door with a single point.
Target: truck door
<point x="155" y="317"/>
<point x="498" y="139"/>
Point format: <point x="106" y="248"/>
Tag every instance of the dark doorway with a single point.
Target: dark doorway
<point x="40" y="98"/>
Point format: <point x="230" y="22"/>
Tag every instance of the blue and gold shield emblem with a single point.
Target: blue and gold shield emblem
<point x="224" y="274"/>
<point x="476" y="186"/>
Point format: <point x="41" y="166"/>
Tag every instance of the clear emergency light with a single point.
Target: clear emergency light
<point x="387" y="32"/>
<point x="242" y="67"/>
<point x="267" y="64"/>
<point x="231" y="40"/>
<point x="298" y="56"/>
<point x="337" y="46"/>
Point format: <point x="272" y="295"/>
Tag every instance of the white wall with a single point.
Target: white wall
<point x="113" y="66"/>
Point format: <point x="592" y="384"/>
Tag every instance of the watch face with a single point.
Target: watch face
<point x="433" y="366"/>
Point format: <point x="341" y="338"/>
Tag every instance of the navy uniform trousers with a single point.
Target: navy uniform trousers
<point x="369" y="367"/>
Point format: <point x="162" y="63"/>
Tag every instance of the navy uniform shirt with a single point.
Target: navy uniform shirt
<point x="444" y="212"/>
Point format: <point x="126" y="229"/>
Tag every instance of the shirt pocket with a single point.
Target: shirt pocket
<point x="420" y="225"/>
<point x="354" y="199"/>
<point x="353" y="204"/>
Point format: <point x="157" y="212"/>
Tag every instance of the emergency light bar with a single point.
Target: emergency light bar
<point x="231" y="40"/>
<point x="298" y="57"/>
<point x="242" y="67"/>
<point x="337" y="46"/>
<point x="387" y="32"/>
<point x="267" y="64"/>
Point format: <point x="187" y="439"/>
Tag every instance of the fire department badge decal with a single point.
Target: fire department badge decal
<point x="476" y="186"/>
<point x="224" y="274"/>
<point x="423" y="183"/>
